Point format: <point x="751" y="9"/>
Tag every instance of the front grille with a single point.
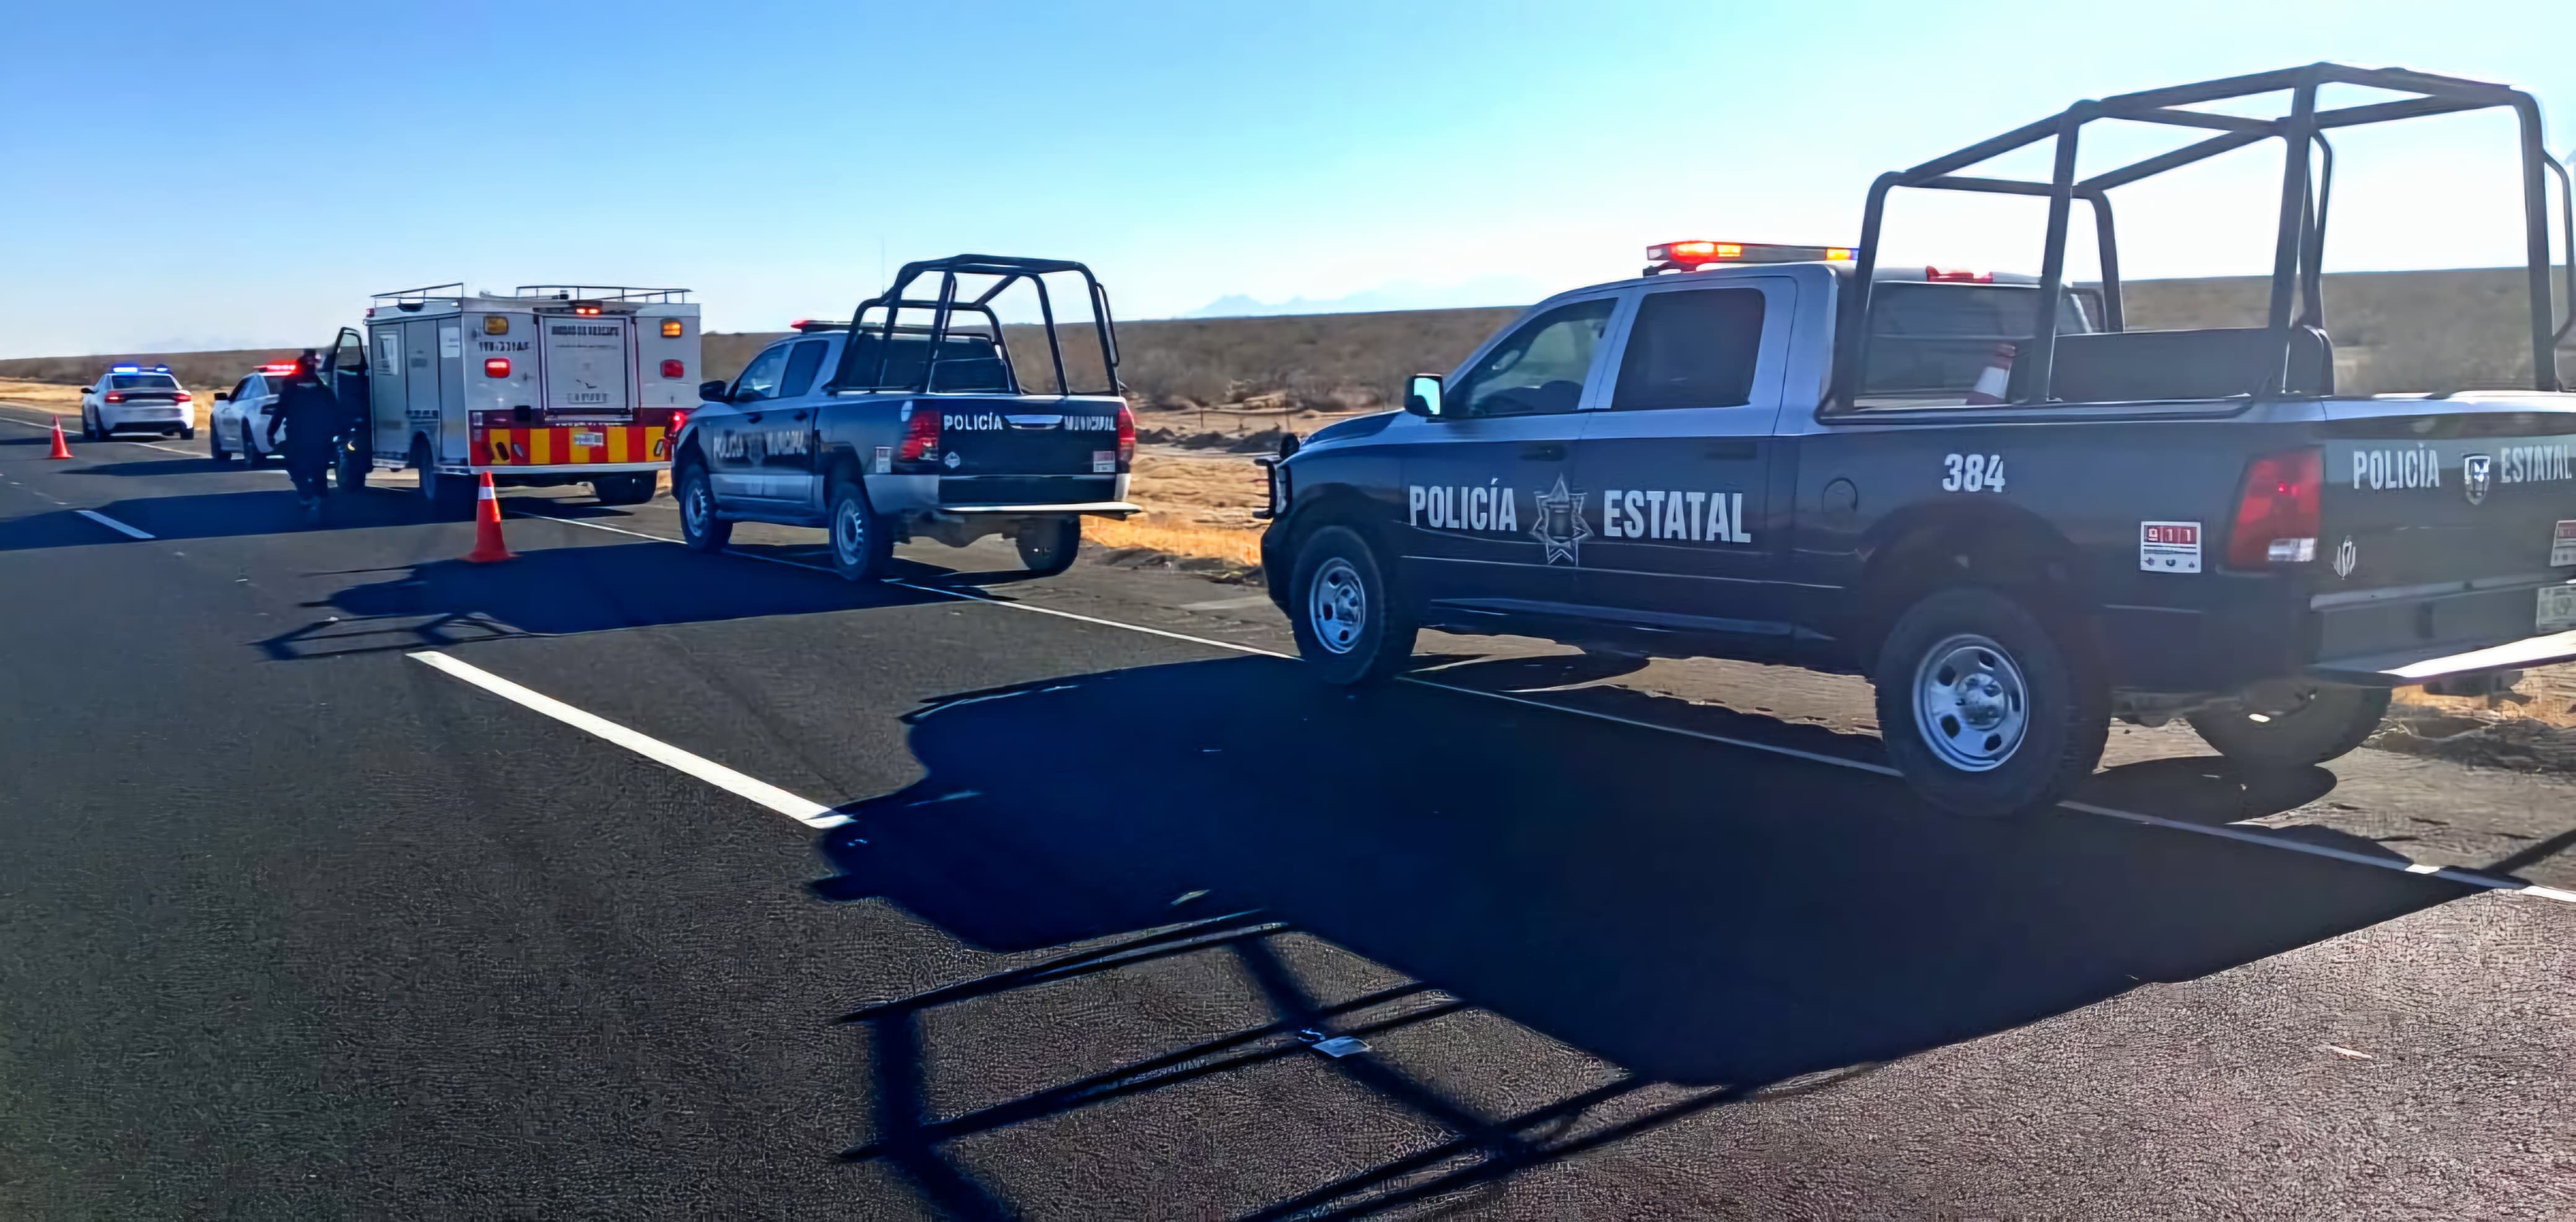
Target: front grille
<point x="1026" y="489"/>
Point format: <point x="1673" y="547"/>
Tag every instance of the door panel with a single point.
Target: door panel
<point x="1680" y="456"/>
<point x="1491" y="519"/>
<point x="420" y="386"/>
<point x="737" y="434"/>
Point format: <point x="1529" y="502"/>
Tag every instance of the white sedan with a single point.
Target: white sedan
<point x="238" y="425"/>
<point x="137" y="397"/>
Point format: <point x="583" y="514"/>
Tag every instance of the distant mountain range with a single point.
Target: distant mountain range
<point x="1398" y="295"/>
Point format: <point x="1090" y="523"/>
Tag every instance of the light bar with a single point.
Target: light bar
<point x="125" y="369"/>
<point x="817" y="324"/>
<point x="1669" y="256"/>
<point x="278" y="369"/>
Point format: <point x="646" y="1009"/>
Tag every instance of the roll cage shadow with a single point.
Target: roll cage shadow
<point x="2299" y="245"/>
<point x="1008" y="271"/>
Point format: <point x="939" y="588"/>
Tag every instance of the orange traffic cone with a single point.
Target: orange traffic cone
<point x="487" y="527"/>
<point x="1996" y="379"/>
<point x="60" y="450"/>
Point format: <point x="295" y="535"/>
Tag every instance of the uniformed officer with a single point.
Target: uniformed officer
<point x="310" y="414"/>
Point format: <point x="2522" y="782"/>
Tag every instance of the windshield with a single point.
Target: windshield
<point x="967" y="364"/>
<point x="142" y="381"/>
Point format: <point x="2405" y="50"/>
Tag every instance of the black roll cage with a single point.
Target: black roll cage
<point x="2297" y="251"/>
<point x="1009" y="270"/>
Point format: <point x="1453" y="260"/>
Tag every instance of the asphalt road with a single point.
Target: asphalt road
<point x="692" y="885"/>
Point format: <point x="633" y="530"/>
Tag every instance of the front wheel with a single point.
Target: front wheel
<point x="1348" y="624"/>
<point x="1987" y="710"/>
<point x="1049" y="548"/>
<point x="2322" y="723"/>
<point x="700" y="528"/>
<point x="251" y="455"/>
<point x="215" y="445"/>
<point x="859" y="543"/>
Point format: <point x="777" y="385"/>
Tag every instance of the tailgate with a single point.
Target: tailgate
<point x="1028" y="450"/>
<point x="2446" y="523"/>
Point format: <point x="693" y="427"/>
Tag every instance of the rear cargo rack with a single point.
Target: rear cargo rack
<point x="2296" y="300"/>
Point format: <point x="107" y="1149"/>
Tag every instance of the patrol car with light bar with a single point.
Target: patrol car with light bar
<point x="2019" y="516"/>
<point x="545" y="385"/>
<point x="237" y="425"/>
<point x="135" y="398"/>
<point x="923" y="417"/>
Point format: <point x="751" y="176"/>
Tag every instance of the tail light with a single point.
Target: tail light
<point x="185" y="397"/>
<point x="1126" y="437"/>
<point x="679" y="421"/>
<point x="496" y="367"/>
<point x="2277" y="519"/>
<point x="115" y="396"/>
<point x="920" y="436"/>
<point x="675" y="369"/>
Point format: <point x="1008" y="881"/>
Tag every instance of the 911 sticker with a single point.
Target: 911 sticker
<point x="1104" y="462"/>
<point x="2169" y="547"/>
<point x="885" y="459"/>
<point x="2562" y="544"/>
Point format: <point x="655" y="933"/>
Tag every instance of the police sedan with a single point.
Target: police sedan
<point x="137" y="398"/>
<point x="238" y="425"/>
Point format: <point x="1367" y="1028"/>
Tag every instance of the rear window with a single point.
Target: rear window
<point x="1694" y="348"/>
<point x="968" y="364"/>
<point x="1929" y="342"/>
<point x="141" y="381"/>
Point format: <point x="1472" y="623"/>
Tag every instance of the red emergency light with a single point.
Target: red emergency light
<point x="496" y="367"/>
<point x="279" y="369"/>
<point x="1697" y="254"/>
<point x="1955" y="276"/>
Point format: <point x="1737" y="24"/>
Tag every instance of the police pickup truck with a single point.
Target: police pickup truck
<point x="917" y="419"/>
<point x="2017" y="516"/>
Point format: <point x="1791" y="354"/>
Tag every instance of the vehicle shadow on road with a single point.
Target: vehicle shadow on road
<point x="215" y="515"/>
<point x="561" y="591"/>
<point x="1690" y="913"/>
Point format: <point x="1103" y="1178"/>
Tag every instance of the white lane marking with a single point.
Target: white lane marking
<point x="2223" y="831"/>
<point x="1228" y="604"/>
<point x="805" y="811"/>
<point x="111" y="523"/>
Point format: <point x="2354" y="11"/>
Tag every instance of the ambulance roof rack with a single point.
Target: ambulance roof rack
<point x="598" y="292"/>
<point x="453" y="288"/>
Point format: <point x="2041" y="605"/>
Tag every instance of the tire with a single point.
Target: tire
<point x="859" y="543"/>
<point x="1050" y="548"/>
<point x="700" y="528"/>
<point x="628" y="488"/>
<point x="188" y="434"/>
<point x="215" y="445"/>
<point x="1988" y="710"/>
<point x="2329" y="722"/>
<point x="89" y="431"/>
<point x="1349" y="625"/>
<point x="353" y="467"/>
<point x="449" y="498"/>
<point x="251" y="455"/>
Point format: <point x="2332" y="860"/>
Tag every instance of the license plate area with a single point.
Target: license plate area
<point x="2557" y="611"/>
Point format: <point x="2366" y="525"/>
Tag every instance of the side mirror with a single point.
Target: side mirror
<point x="711" y="392"/>
<point x="223" y="396"/>
<point x="1422" y="395"/>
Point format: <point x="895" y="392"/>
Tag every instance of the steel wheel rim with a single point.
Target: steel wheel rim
<point x="850" y="533"/>
<point x="1337" y="606"/>
<point x="694" y="507"/>
<point x="1971" y="703"/>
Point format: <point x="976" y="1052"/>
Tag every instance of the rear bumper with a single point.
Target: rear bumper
<point x="1110" y="509"/>
<point x="2402" y="667"/>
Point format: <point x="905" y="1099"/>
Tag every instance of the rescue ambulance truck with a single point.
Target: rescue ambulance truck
<point x="546" y="385"/>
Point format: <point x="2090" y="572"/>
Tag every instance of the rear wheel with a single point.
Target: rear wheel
<point x="89" y="431"/>
<point x="2322" y="723"/>
<point x="1348" y="623"/>
<point x="188" y="434"/>
<point x="859" y="543"/>
<point x="1048" y="548"/>
<point x="700" y="528"/>
<point x="1987" y="709"/>
<point x="448" y="497"/>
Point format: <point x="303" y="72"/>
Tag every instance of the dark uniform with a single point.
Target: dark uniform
<point x="311" y="416"/>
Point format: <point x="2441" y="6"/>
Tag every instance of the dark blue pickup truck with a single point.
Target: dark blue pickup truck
<point x="2017" y="516"/>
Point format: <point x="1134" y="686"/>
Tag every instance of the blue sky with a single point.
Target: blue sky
<point x="193" y="175"/>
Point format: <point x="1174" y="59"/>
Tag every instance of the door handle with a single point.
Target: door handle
<point x="1545" y="451"/>
<point x="753" y="417"/>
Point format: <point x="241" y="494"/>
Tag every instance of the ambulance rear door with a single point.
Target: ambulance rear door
<point x="586" y="366"/>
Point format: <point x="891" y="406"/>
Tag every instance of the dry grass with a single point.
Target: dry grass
<point x="1157" y="532"/>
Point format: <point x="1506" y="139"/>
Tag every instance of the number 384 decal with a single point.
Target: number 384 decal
<point x="1973" y="473"/>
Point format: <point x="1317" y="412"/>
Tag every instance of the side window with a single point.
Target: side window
<point x="759" y="380"/>
<point x="389" y="351"/>
<point x="802" y="361"/>
<point x="243" y="388"/>
<point x="1691" y="348"/>
<point x="1539" y="369"/>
